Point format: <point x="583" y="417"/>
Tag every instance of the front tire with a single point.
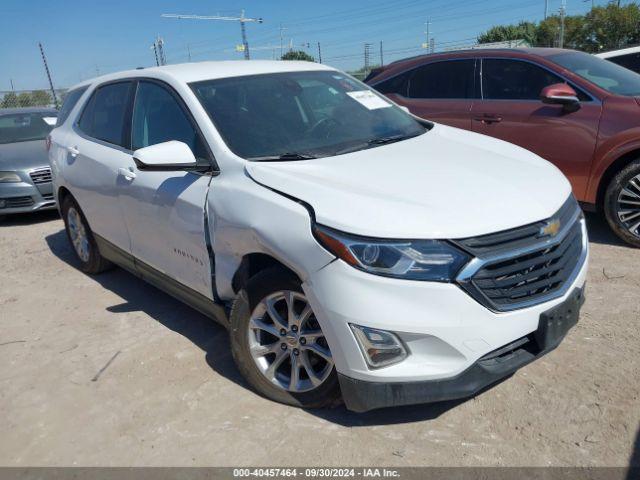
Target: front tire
<point x="81" y="238"/>
<point x="622" y="204"/>
<point x="278" y="344"/>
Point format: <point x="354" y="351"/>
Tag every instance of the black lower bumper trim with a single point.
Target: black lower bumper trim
<point x="361" y="396"/>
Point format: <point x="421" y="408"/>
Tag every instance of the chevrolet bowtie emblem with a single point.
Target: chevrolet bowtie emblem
<point x="550" y="229"/>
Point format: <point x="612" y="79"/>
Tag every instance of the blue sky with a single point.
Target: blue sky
<point x="85" y="37"/>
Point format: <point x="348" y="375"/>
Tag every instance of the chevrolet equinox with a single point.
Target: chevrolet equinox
<point x="352" y="250"/>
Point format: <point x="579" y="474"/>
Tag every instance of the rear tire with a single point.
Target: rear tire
<point x="81" y="238"/>
<point x="622" y="204"/>
<point x="258" y="343"/>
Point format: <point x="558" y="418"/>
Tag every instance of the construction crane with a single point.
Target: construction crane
<point x="242" y="19"/>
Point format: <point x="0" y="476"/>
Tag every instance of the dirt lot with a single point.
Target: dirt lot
<point x="170" y="394"/>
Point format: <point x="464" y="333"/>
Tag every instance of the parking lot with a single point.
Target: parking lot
<point x="108" y="371"/>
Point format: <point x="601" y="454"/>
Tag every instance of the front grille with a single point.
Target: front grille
<point x="42" y="175"/>
<point x="523" y="267"/>
<point x="17" y="202"/>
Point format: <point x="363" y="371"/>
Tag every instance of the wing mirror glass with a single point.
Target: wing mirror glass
<point x="172" y="155"/>
<point x="560" y="94"/>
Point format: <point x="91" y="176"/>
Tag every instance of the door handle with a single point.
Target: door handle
<point x="73" y="151"/>
<point x="126" y="173"/>
<point x="488" y="119"/>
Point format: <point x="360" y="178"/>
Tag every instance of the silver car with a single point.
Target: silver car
<point x="25" y="175"/>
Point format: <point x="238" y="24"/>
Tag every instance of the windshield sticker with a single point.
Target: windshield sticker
<point x="369" y="99"/>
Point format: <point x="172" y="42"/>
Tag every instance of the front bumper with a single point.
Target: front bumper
<point x="25" y="197"/>
<point x="361" y="396"/>
<point x="447" y="332"/>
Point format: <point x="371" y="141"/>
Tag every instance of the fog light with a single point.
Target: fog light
<point x="380" y="348"/>
<point x="3" y="203"/>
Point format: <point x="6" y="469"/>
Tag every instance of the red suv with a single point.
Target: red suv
<point x="578" y="111"/>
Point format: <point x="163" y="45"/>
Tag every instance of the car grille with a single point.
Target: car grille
<point x="17" y="202"/>
<point x="524" y="266"/>
<point x="42" y="175"/>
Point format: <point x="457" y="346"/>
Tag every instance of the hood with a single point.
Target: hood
<point x="447" y="183"/>
<point x="23" y="155"/>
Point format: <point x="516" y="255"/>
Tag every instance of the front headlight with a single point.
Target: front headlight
<point x="9" y="177"/>
<point x="432" y="260"/>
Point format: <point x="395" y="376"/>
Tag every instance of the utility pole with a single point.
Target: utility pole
<point x="282" y="29"/>
<point x="546" y="9"/>
<point x="563" y="9"/>
<point x="158" y="51"/>
<point x="319" y="53"/>
<point x="13" y="89"/>
<point x="427" y="33"/>
<point x="161" y="55"/>
<point x="46" y="67"/>
<point x="242" y="19"/>
<point x="381" y="56"/>
<point x="155" y="52"/>
<point x="367" y="56"/>
<point x="243" y="30"/>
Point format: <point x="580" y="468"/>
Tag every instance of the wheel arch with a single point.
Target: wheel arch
<point x="252" y="264"/>
<point x="61" y="194"/>
<point x="617" y="165"/>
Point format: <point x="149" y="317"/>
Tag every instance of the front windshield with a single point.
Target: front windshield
<point x="304" y="114"/>
<point x="605" y="74"/>
<point x="24" y="127"/>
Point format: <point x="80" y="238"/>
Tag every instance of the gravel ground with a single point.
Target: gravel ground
<point x="170" y="395"/>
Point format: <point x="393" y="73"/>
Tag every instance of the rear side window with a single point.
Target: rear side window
<point x="514" y="80"/>
<point x="70" y="100"/>
<point x="452" y="79"/>
<point x="158" y="117"/>
<point x="104" y="115"/>
<point x="26" y="127"/>
<point x="630" y="61"/>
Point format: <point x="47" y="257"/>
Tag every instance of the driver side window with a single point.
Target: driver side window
<point x="158" y="117"/>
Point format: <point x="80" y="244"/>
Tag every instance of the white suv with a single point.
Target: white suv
<point x="350" y="248"/>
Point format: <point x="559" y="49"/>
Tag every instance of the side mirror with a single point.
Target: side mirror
<point x="166" y="156"/>
<point x="560" y="94"/>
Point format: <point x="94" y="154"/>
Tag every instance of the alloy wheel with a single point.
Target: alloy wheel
<point x="287" y="343"/>
<point x="628" y="206"/>
<point x="78" y="234"/>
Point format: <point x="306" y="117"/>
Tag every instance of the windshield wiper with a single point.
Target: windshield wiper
<point x="386" y="140"/>
<point x="374" y="142"/>
<point x="284" y="157"/>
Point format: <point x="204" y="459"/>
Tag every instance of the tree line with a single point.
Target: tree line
<point x="36" y="98"/>
<point x="603" y="28"/>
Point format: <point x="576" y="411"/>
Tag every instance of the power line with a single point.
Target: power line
<point x="404" y="18"/>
